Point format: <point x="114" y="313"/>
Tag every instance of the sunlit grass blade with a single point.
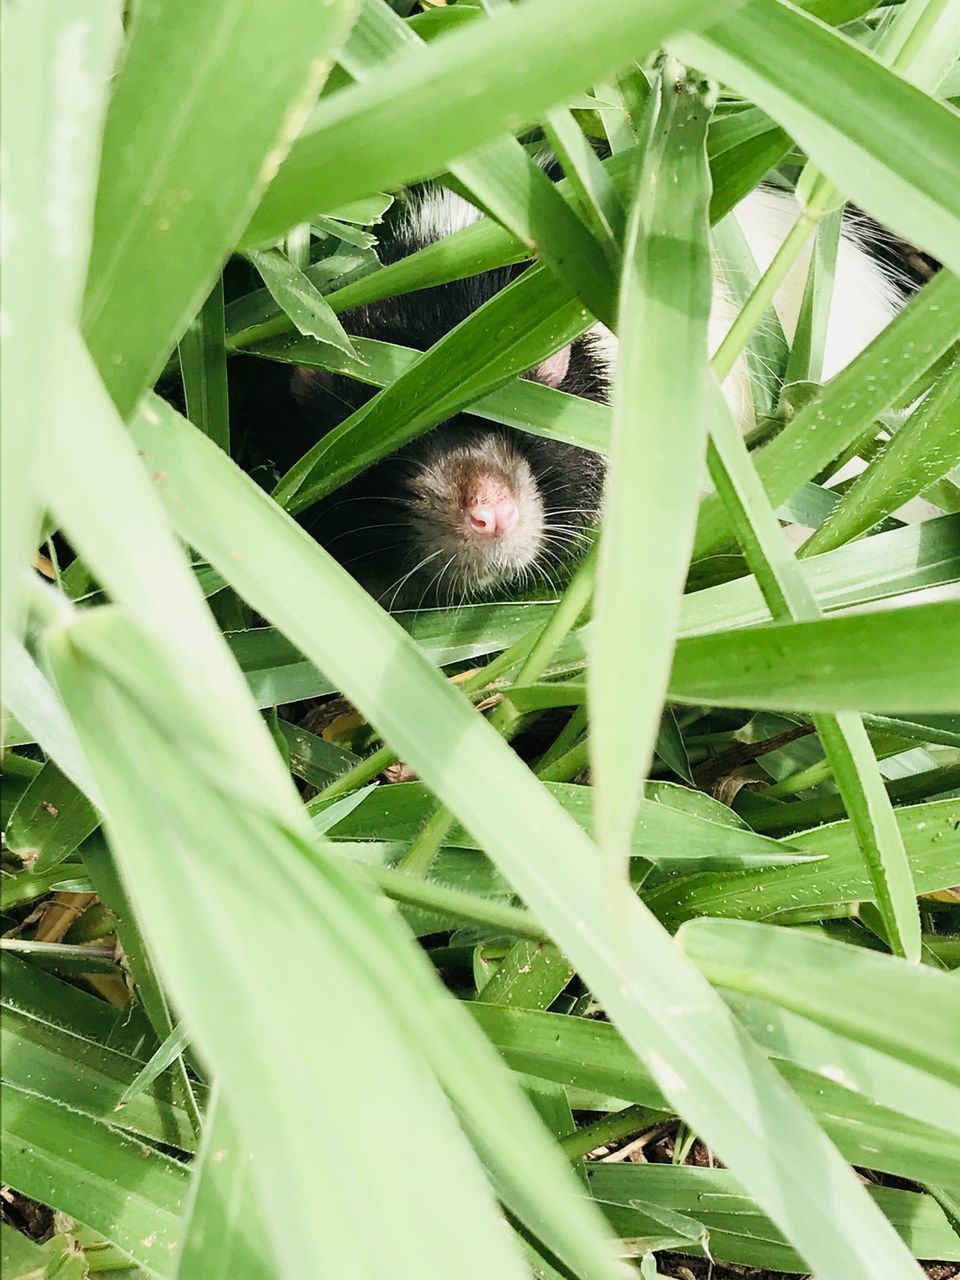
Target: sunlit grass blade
<point x="676" y="1023"/>
<point x="188" y="147"/>
<point x="931" y="837"/>
<point x="653" y="478"/>
<point x="491" y="77"/>
<point x="218" y="751"/>
<point x="911" y="1012"/>
<point x="845" y="741"/>
<point x="57" y="58"/>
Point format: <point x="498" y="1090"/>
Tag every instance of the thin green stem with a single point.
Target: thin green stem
<point x="617" y="1124"/>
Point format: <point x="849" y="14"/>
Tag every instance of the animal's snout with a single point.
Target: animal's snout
<point x="490" y="508"/>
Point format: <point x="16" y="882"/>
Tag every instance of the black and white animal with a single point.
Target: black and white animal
<point x="471" y="509"/>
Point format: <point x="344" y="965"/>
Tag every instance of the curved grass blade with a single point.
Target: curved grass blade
<point x="909" y="1012"/>
<point x="222" y="1233"/>
<point x="202" y="736"/>
<point x="300" y="299"/>
<point x="650" y="504"/>
<point x="845" y="742"/>
<point x="57" y="58"/>
<point x="931" y="836"/>
<point x="127" y="1192"/>
<point x="190" y="142"/>
<point x="473" y="85"/>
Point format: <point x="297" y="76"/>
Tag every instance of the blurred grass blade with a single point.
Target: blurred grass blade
<point x="300" y="299"/>
<point x="676" y="1023"/>
<point x="814" y="82"/>
<point x="925" y="448"/>
<point x="490" y="78"/>
<point x="739" y="1234"/>
<point x="57" y="60"/>
<point x="650" y="503"/>
<point x="96" y="662"/>
<point x="203" y="369"/>
<point x="109" y="672"/>
<point x="190" y="143"/>
<point x="223" y="1236"/>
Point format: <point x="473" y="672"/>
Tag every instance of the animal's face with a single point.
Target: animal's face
<point x="469" y="509"/>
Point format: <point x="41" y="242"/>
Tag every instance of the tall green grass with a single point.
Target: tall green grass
<point x="358" y="1036"/>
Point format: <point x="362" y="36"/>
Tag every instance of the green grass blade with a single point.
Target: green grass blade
<point x="474" y="85"/>
<point x="842" y="412"/>
<point x="650" y="503"/>
<point x="814" y="82"/>
<point x="203" y="367"/>
<point x="931" y="837"/>
<point x="189" y="145"/>
<point x="223" y="1236"/>
<point x="51" y="820"/>
<point x="925" y="448"/>
<point x="129" y="1193"/>
<point x="57" y="58"/>
<point x="911" y="1012"/>
<point x="845" y="741"/>
<point x="300" y="299"/>
<point x="199" y="732"/>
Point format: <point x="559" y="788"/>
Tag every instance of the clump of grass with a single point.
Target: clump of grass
<point x="263" y="1018"/>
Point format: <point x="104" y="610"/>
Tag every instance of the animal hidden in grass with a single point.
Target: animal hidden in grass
<point x="473" y="509"/>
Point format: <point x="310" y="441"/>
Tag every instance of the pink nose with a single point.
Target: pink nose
<point x="494" y="517"/>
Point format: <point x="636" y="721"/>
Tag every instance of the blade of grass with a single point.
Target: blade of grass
<point x="653" y="477"/>
<point x="57" y="57"/>
<point x="190" y="142"/>
<point x="923" y="450"/>
<point x="814" y="81"/>
<point x="203" y="367"/>
<point x="300" y="299"/>
<point x="491" y="78"/>
<point x="842" y="412"/>
<point x="845" y="741"/>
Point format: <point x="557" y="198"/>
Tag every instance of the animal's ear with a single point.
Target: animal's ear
<point x="552" y="371"/>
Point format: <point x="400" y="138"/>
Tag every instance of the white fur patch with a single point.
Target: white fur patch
<point x="437" y="212"/>
<point x="864" y="300"/>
